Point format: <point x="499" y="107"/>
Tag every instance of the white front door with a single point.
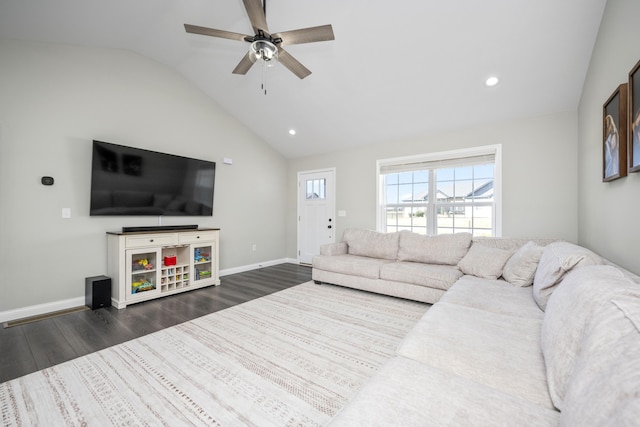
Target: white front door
<point x="316" y="207"/>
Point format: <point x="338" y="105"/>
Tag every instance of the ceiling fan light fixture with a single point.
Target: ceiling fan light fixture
<point x="263" y="50"/>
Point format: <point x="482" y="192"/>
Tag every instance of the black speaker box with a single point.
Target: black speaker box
<point x="97" y="292"/>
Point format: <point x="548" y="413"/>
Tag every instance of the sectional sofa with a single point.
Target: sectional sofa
<point x="414" y="266"/>
<point x="529" y="333"/>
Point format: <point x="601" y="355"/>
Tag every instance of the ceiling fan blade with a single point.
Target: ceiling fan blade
<point x="292" y="64"/>
<point x="306" y="35"/>
<point x="244" y="65"/>
<point x="256" y="15"/>
<point x="194" y="29"/>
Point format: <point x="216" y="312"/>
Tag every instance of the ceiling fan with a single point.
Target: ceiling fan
<point x="266" y="46"/>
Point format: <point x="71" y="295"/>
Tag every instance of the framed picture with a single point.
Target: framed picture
<point x="634" y="119"/>
<point x="614" y="135"/>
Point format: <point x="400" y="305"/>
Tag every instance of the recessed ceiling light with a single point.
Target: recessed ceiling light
<point x="292" y="131"/>
<point x="492" y="81"/>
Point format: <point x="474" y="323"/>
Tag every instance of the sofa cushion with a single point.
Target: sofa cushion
<point x="407" y="393"/>
<point x="499" y="351"/>
<point x="496" y="296"/>
<point x="558" y="259"/>
<point x="604" y="387"/>
<point x="430" y="275"/>
<point x="350" y="264"/>
<point x="445" y="249"/>
<point x="370" y="243"/>
<point x="509" y="243"/>
<point x="380" y="286"/>
<point x="483" y="261"/>
<point x="330" y="249"/>
<point x="569" y="309"/>
<point x="520" y="269"/>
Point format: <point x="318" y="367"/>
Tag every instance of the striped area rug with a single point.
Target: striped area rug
<point x="292" y="358"/>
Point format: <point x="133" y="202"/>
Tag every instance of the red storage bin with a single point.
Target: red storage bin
<point x="169" y="260"/>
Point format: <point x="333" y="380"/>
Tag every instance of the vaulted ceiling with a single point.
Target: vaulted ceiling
<point x="396" y="69"/>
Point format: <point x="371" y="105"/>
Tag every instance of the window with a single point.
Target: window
<point x="441" y="193"/>
<point x="316" y="189"/>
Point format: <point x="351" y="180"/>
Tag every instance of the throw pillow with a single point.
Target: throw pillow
<point x="557" y="259"/>
<point x="446" y="249"/>
<point x="521" y="267"/>
<point x="371" y="243"/>
<point x="483" y="261"/>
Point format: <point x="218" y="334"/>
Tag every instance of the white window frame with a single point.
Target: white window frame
<point x="443" y="156"/>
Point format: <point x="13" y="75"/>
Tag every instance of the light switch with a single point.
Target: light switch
<point x="342" y="213"/>
<point x="66" y="212"/>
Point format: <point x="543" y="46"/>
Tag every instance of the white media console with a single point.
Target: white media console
<point x="152" y="264"/>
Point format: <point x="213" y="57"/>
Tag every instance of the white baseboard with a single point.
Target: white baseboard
<point x="37" y="310"/>
<point x="249" y="267"/>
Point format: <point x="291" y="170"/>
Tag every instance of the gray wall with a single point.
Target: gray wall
<point x="608" y="212"/>
<point x="539" y="172"/>
<point x="54" y="100"/>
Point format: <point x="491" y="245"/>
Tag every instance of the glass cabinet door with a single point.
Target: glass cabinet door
<point x="203" y="262"/>
<point x="142" y="272"/>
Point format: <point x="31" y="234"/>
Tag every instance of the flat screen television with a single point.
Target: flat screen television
<point x="133" y="181"/>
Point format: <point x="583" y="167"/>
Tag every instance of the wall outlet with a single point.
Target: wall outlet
<point x="254" y="247"/>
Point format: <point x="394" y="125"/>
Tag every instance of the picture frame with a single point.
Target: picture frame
<point x="634" y="119"/>
<point x="614" y="135"/>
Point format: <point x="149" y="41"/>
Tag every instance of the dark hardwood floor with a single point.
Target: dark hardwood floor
<point x="38" y="345"/>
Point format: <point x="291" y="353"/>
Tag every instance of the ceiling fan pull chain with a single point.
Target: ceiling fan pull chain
<point x="263" y="86"/>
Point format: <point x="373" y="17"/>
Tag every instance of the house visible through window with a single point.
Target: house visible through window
<point x="316" y="189"/>
<point x="441" y="193"/>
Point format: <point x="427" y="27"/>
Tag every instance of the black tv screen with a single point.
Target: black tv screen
<point x="133" y="181"/>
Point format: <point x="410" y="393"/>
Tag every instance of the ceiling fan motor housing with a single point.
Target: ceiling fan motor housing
<point x="262" y="36"/>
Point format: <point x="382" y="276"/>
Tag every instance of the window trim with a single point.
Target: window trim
<point x="443" y="156"/>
